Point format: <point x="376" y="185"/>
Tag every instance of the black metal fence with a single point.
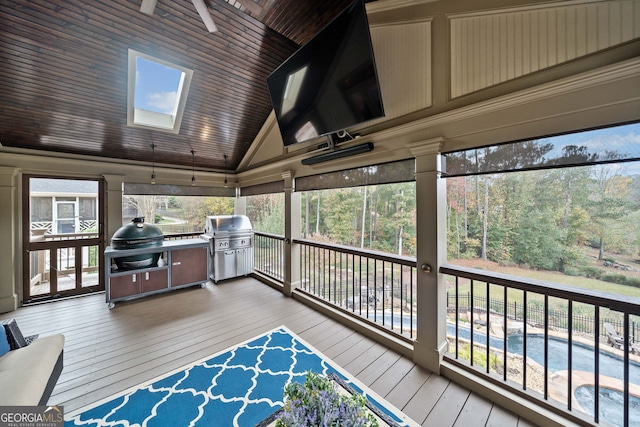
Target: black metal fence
<point x="556" y="319"/>
<point x="376" y="286"/>
<point x="552" y="339"/>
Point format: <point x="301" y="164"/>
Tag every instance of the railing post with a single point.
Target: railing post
<point x="292" y="228"/>
<point x="431" y="342"/>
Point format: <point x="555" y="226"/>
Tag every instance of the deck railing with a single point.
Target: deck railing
<point x="544" y="346"/>
<point x="375" y="286"/>
<point x="268" y="255"/>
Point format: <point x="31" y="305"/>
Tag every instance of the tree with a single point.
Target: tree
<point x="607" y="203"/>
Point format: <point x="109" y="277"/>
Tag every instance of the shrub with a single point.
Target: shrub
<point x="611" y="260"/>
<point x="592" y="272"/>
<point x="620" y="279"/>
<point x="633" y="281"/>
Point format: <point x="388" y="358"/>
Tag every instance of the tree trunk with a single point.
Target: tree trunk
<point x="318" y="215"/>
<point x="601" y="249"/>
<point x="364" y="216"/>
<point x="485" y="220"/>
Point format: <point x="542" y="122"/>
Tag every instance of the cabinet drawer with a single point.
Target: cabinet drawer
<point x="124" y="286"/>
<point x="154" y="280"/>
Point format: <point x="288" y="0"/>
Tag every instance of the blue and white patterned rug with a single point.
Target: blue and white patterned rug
<point x="238" y="387"/>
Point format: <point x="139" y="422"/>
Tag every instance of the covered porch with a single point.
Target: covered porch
<point x="108" y="351"/>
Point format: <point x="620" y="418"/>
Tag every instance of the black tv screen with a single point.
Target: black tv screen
<point x="330" y="83"/>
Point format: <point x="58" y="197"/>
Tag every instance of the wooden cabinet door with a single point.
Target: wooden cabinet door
<point x="154" y="280"/>
<point x="124" y="286"/>
<point x="189" y="266"/>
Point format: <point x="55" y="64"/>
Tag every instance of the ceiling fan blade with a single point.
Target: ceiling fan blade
<point x="201" y="7"/>
<point x="148" y="6"/>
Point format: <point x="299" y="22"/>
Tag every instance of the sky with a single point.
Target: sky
<point x="624" y="139"/>
<point x="156" y="86"/>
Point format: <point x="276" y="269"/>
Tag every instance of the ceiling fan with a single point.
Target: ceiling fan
<point x="148" y="6"/>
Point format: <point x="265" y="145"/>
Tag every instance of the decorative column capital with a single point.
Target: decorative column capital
<point x="426" y="147"/>
<point x="7" y="176"/>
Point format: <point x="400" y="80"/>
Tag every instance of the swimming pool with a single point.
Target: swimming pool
<point x="583" y="356"/>
<point x="583" y="359"/>
<point x="611" y="405"/>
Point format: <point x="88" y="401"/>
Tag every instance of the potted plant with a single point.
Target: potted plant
<point x="321" y="401"/>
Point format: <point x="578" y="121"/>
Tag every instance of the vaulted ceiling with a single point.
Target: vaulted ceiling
<point x="63" y="73"/>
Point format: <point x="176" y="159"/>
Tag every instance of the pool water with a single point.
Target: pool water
<point x="611" y="405"/>
<point x="582" y="358"/>
<point x="611" y="401"/>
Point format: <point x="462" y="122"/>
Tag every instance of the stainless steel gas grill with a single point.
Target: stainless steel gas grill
<point x="230" y="246"/>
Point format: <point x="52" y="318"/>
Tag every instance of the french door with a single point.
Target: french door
<point x="62" y="236"/>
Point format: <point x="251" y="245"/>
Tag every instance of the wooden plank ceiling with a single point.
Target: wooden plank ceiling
<point x="64" y="73"/>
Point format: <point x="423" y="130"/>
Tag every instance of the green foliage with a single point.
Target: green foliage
<point x="592" y="272"/>
<point x="621" y="279"/>
<point x="380" y="217"/>
<point x="266" y="213"/>
<point x="544" y="219"/>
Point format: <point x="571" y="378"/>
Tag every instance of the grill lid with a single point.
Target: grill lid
<point x="227" y="224"/>
<point x="137" y="233"/>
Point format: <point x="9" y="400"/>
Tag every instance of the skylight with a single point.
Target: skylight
<point x="157" y="92"/>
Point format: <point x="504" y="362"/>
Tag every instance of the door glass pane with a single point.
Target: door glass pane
<point x="66" y="269"/>
<point x="90" y="264"/>
<point x="39" y="272"/>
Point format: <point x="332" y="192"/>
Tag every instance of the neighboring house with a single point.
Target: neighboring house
<point x="63" y="206"/>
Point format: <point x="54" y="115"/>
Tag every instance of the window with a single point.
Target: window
<point x="157" y="92"/>
<point x="175" y="214"/>
<point x="572" y="225"/>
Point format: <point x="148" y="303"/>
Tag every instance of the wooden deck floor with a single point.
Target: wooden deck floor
<point x="107" y="351"/>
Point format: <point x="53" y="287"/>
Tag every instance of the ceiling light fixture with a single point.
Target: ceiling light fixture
<point x="225" y="171"/>
<point x="153" y="159"/>
<point x="193" y="167"/>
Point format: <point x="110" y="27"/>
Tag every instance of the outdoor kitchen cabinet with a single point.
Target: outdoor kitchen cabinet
<point x="182" y="263"/>
<point x="189" y="266"/>
<point x="135" y="283"/>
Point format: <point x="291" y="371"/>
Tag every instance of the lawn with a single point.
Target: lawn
<point x="515" y="296"/>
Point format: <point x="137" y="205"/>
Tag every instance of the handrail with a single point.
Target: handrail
<point x="627" y="304"/>
<point x="269" y="235"/>
<point x="476" y="334"/>
<point x="382" y="256"/>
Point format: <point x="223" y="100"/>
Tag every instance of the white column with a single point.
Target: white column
<point x="114" y="188"/>
<point x="431" y="342"/>
<point x="10" y="261"/>
<point x="291" y="231"/>
<point x="240" y="204"/>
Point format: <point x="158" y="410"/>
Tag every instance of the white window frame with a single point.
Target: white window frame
<point x="150" y="119"/>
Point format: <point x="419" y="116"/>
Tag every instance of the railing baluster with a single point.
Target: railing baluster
<point x="471" y="303"/>
<point x="457" y="314"/>
<point x="505" y="334"/>
<point x="488" y="327"/>
<point x="569" y="353"/>
<point x="627" y="350"/>
<point x="546" y="347"/>
<point x="596" y="362"/>
<point x="524" y="340"/>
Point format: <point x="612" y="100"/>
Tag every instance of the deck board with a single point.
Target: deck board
<point x="108" y="351"/>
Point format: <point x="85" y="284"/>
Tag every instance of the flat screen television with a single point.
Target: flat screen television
<point x="330" y="84"/>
